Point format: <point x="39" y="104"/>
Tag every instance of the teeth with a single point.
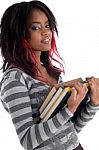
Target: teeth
<point x="46" y="40"/>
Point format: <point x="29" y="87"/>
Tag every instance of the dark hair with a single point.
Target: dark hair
<point x="15" y="48"/>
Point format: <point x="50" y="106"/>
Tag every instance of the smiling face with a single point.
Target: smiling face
<point x="40" y="34"/>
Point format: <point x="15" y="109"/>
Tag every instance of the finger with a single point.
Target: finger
<point x="73" y="92"/>
<point x="78" y="86"/>
<point x="89" y="78"/>
<point x="85" y="86"/>
<point x="92" y="85"/>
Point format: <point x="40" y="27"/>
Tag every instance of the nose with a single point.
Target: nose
<point x="45" y="31"/>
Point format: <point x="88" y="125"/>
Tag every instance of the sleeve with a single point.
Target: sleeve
<point x="15" y="94"/>
<point x="86" y="114"/>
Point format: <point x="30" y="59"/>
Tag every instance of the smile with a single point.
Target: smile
<point x="46" y="40"/>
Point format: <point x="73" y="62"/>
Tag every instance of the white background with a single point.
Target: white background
<point x="78" y="44"/>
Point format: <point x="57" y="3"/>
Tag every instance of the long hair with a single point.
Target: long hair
<point x="15" y="48"/>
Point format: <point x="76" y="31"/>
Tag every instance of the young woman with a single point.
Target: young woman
<point x="28" y="48"/>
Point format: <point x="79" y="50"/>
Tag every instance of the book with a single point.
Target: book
<point x="54" y="89"/>
<point x="61" y="104"/>
<point x="55" y="105"/>
<point x="47" y="99"/>
<point x="64" y="100"/>
<point x="52" y="101"/>
<point x="55" y="101"/>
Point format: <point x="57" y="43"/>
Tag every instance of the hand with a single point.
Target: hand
<point x="68" y="83"/>
<point x="78" y="92"/>
<point x="94" y="90"/>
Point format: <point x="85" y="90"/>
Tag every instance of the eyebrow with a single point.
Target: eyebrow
<point x="39" y="22"/>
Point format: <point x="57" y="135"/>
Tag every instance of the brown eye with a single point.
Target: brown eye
<point x="47" y="26"/>
<point x="35" y="28"/>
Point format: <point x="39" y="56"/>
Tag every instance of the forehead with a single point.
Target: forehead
<point x="37" y="15"/>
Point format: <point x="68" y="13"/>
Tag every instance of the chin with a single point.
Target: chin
<point x="45" y="50"/>
<point x="46" y="47"/>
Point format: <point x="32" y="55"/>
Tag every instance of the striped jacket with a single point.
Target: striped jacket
<point x="22" y="97"/>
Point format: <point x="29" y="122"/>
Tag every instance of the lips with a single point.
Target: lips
<point x="46" y="40"/>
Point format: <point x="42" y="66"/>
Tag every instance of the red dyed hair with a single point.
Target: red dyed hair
<point x="46" y="57"/>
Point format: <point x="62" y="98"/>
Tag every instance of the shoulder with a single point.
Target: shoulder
<point x="19" y="76"/>
<point x="15" y="74"/>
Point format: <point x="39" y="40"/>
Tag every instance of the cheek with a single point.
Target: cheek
<point x="34" y="40"/>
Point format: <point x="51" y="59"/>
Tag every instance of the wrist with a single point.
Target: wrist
<point x="71" y="109"/>
<point x="94" y="103"/>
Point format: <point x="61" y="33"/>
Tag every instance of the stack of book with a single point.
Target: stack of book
<point x="55" y="101"/>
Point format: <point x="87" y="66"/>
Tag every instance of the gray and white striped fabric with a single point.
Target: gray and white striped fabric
<point x="22" y="97"/>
